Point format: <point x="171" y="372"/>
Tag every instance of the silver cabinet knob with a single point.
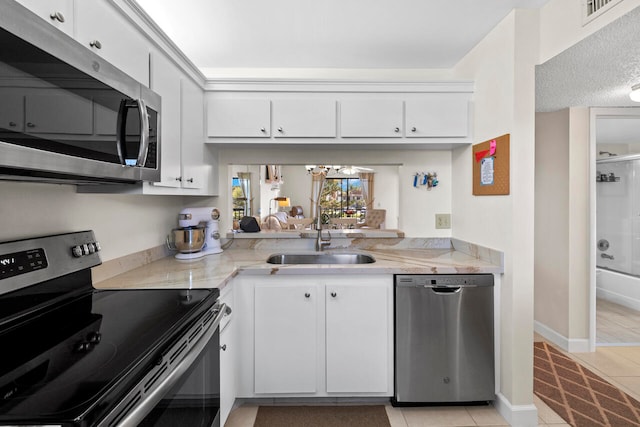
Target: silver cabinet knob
<point x="333" y="294"/>
<point x="307" y="295"/>
<point x="280" y="130"/>
<point x="57" y="16"/>
<point x="413" y="129"/>
<point x="96" y="44"/>
<point x="31" y="125"/>
<point x="190" y="180"/>
<point x="396" y="130"/>
<point x="223" y="347"/>
<point x="13" y="124"/>
<point x="179" y="179"/>
<point x="263" y="130"/>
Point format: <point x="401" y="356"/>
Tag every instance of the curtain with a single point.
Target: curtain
<point x="245" y="186"/>
<point x="366" y="181"/>
<point x="317" y="183"/>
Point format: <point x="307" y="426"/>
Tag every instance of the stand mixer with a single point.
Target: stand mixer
<point x="193" y="223"/>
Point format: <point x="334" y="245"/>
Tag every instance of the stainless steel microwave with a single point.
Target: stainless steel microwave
<point x="66" y="114"/>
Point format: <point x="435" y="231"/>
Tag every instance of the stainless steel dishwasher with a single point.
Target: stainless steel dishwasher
<point x="444" y="339"/>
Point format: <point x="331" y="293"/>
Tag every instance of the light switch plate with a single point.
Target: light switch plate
<point x="443" y="221"/>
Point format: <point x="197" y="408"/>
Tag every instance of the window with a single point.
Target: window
<point x="342" y="198"/>
<point x="239" y="199"/>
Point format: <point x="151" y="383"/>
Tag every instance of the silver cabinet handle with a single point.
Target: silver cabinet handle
<point x="333" y="294"/>
<point x="179" y="179"/>
<point x="223" y="347"/>
<point x="57" y="16"/>
<point x="413" y="129"/>
<point x="31" y="125"/>
<point x="307" y="295"/>
<point x="96" y="44"/>
<point x="280" y="130"/>
<point x="396" y="130"/>
<point x="13" y="124"/>
<point x="263" y="130"/>
<point x="190" y="180"/>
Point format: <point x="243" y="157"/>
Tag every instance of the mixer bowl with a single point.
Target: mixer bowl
<point x="187" y="240"/>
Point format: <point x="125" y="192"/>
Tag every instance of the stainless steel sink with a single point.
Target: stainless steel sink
<point x="321" y="258"/>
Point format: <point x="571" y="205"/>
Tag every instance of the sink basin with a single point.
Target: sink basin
<point x="321" y="258"/>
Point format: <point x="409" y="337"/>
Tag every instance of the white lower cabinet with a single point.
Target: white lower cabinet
<point x="227" y="359"/>
<point x="315" y="336"/>
<point x="286" y="338"/>
<point x="357" y="329"/>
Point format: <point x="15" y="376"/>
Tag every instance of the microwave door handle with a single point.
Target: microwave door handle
<point x="121" y="134"/>
<point x="144" y="133"/>
<point x="121" y="131"/>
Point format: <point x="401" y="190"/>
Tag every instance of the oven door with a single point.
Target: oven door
<point x="184" y="387"/>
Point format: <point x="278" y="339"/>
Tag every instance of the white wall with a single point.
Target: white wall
<point x="416" y="208"/>
<point x="503" y="67"/>
<point x="562" y="226"/>
<point x="123" y="224"/>
<point x="561" y="24"/>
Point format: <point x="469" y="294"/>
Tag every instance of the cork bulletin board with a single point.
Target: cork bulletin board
<point x="491" y="167"/>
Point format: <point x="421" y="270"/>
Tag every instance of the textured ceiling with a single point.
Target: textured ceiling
<point x="597" y="72"/>
<point x="377" y="34"/>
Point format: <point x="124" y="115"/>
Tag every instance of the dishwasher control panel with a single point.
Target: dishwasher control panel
<point x="444" y="280"/>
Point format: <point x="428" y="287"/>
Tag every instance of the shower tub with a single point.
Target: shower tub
<point x="620" y="288"/>
<point x="618" y="230"/>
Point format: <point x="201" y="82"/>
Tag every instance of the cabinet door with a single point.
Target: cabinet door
<point x="227" y="361"/>
<point x="74" y="113"/>
<point x="59" y="13"/>
<point x="194" y="171"/>
<point x="304" y="118"/>
<point x="444" y="115"/>
<point x="357" y="338"/>
<point x="12" y="110"/>
<point x="286" y="349"/>
<point x="165" y="81"/>
<point x="238" y="118"/>
<point x="101" y="28"/>
<point x="378" y="118"/>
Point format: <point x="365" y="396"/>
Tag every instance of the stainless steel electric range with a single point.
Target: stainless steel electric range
<point x="72" y="355"/>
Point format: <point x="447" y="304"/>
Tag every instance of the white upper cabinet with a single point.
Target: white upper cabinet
<point x="58" y="13"/>
<point x="371" y="117"/>
<point x="101" y="28"/>
<point x="196" y="173"/>
<point x="444" y="115"/>
<point x="12" y="109"/>
<point x="165" y="81"/>
<point x="247" y="118"/>
<point x="74" y="113"/>
<point x="304" y="118"/>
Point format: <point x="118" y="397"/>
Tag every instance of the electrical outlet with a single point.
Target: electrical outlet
<point x="443" y="220"/>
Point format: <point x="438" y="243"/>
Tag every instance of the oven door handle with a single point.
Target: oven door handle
<point x="150" y="400"/>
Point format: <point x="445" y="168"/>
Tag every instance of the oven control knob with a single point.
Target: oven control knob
<point x="76" y="251"/>
<point x="83" y="347"/>
<point x="94" y="337"/>
<point x="92" y="248"/>
<point x="97" y="246"/>
<point x="85" y="249"/>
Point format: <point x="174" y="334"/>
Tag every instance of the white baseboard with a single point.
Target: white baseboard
<point x="516" y="415"/>
<point x="574" y="345"/>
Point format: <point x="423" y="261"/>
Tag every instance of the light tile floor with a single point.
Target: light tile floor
<point x="616" y="324"/>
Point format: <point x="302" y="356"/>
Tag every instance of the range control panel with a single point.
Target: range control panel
<point x="22" y="262"/>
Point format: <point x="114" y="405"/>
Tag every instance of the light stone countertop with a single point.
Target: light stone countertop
<point x="404" y="256"/>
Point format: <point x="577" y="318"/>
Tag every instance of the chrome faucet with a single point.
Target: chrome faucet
<point x="321" y="242"/>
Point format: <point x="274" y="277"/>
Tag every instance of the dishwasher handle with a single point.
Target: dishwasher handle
<point x="446" y="290"/>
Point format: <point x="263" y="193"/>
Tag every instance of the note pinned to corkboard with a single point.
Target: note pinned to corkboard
<point x="491" y="167"/>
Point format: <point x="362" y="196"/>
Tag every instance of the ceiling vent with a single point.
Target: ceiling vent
<point x="595" y="8"/>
